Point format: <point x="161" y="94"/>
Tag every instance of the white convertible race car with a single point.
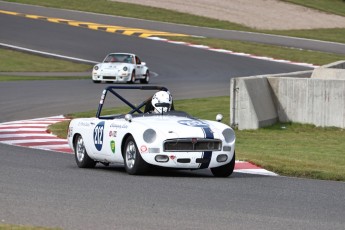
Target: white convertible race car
<point x="142" y="140"/>
<point x="121" y="67"/>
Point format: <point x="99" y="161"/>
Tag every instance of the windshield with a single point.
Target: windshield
<point x="124" y="58"/>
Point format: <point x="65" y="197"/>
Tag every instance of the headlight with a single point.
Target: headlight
<point x="125" y="68"/>
<point x="229" y="135"/>
<point x="95" y="67"/>
<point x="149" y="135"/>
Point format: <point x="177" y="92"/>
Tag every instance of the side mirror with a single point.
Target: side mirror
<point x="143" y="63"/>
<point x="128" y="117"/>
<point x="219" y="117"/>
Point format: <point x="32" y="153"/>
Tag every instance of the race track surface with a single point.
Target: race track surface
<point x="46" y="188"/>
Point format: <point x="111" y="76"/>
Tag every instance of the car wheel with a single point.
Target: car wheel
<point x="132" y="78"/>
<point x="134" y="163"/>
<point x="94" y="81"/>
<point x="81" y="157"/>
<point x="147" y="78"/>
<point x="224" y="170"/>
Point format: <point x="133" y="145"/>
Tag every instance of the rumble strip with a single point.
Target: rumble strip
<point x="34" y="133"/>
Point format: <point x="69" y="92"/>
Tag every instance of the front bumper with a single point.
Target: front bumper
<point x="121" y="76"/>
<point x="189" y="160"/>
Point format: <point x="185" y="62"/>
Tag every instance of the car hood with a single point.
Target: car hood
<point x="113" y="65"/>
<point x="180" y="127"/>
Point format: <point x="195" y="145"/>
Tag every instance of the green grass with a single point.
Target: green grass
<point x="287" y="149"/>
<point x="329" y="6"/>
<point x="296" y="150"/>
<point x="156" y="14"/>
<point x="20" y="227"/>
<point x="14" y="61"/>
<point x="40" y="78"/>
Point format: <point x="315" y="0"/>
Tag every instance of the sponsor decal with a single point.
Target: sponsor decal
<point x="112" y="146"/>
<point x="119" y="126"/>
<point x="193" y="123"/>
<point x="98" y="134"/>
<point x="83" y="123"/>
<point x="143" y="149"/>
<point x="112" y="133"/>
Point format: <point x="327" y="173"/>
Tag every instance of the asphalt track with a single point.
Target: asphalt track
<point x="306" y="44"/>
<point x="47" y="189"/>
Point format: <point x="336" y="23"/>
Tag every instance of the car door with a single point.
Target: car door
<point x="139" y="67"/>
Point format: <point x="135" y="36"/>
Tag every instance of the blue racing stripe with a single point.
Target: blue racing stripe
<point x="207" y="154"/>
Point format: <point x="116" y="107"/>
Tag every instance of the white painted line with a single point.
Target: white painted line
<point x="46" y="53"/>
<point x="256" y="172"/>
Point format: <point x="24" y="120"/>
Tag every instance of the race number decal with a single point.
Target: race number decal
<point x="98" y="134"/>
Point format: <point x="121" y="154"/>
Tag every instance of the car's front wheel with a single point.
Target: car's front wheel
<point x="134" y="163"/>
<point x="132" y="78"/>
<point x="81" y="157"/>
<point x="147" y="78"/>
<point x="224" y="170"/>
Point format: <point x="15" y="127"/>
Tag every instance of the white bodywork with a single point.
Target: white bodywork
<point x="104" y="139"/>
<point x="121" y="67"/>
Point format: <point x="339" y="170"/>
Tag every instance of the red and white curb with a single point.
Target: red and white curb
<point x="34" y="133"/>
<point x="232" y="52"/>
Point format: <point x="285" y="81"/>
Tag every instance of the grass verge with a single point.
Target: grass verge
<point x="288" y="149"/>
<point x="328" y="6"/>
<point x="15" y="61"/>
<point x="20" y="227"/>
<point x="40" y="78"/>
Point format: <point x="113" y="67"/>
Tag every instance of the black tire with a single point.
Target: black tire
<point x="224" y="170"/>
<point x="134" y="163"/>
<point x="81" y="157"/>
<point x="94" y="81"/>
<point x="147" y="78"/>
<point x="132" y="81"/>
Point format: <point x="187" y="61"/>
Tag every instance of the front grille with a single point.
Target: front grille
<point x="191" y="145"/>
<point x="109" y="77"/>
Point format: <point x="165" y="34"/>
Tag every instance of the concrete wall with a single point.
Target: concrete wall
<point x="315" y="101"/>
<point x="252" y="103"/>
<point x="313" y="97"/>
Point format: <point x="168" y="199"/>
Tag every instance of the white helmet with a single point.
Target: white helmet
<point x="161" y="97"/>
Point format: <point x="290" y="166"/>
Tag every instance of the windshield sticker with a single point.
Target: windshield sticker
<point x="194" y="123"/>
<point x="98" y="135"/>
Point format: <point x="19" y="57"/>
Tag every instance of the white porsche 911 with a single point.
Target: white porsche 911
<point x="121" y="67"/>
<point x="151" y="134"/>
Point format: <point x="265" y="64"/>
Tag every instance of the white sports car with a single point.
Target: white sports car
<point x="141" y="140"/>
<point x="121" y="67"/>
